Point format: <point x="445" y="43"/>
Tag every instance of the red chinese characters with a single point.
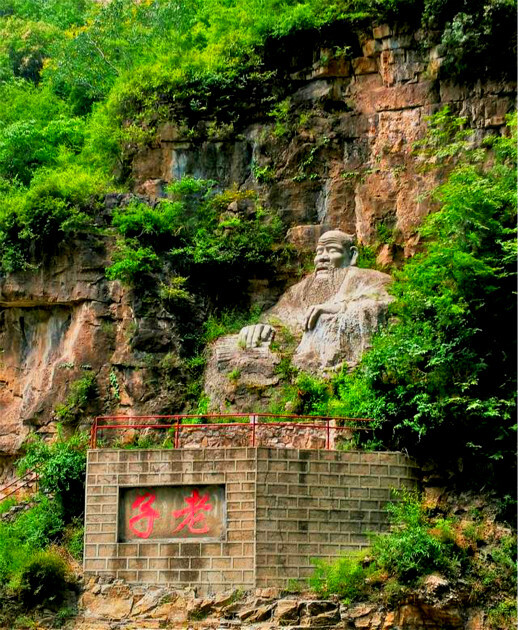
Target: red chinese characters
<point x="146" y="512"/>
<point x="194" y="513"/>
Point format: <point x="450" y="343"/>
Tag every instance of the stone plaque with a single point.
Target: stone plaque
<point x="172" y="513"/>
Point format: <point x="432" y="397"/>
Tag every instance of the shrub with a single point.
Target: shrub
<point x="42" y="578"/>
<point x="439" y="378"/>
<point x="73" y="539"/>
<point x="411" y="550"/>
<point x="132" y="263"/>
<point x="33" y="529"/>
<point x="80" y="393"/>
<point x="58" y="203"/>
<point x="345" y="577"/>
<point x="61" y="468"/>
<point x="227" y="323"/>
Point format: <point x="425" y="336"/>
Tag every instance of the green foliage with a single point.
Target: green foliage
<point x="25" y="146"/>
<point x="479" y="563"/>
<point x="411" y="550"/>
<point x="281" y="114"/>
<point x="24" y="46"/>
<point x="73" y="539"/>
<point x="32" y="530"/>
<point x="345" y="577"/>
<point x="61" y="468"/>
<point x="79" y="395"/>
<point x="42" y="578"/>
<point x="174" y="291"/>
<point x="440" y="378"/>
<point x="228" y="323"/>
<point x="7" y="504"/>
<point x="263" y="174"/>
<point x="209" y="241"/>
<point x="54" y="12"/>
<point x="58" y="203"/>
<point x="503" y="615"/>
<point x="132" y="263"/>
<point x="472" y="38"/>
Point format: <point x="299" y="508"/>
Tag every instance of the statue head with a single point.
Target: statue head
<point x="335" y="250"/>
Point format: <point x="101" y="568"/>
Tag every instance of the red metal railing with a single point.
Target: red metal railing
<point x="325" y="423"/>
<point x="28" y="479"/>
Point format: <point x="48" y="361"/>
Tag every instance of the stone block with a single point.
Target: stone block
<point x="370" y="48"/>
<point x="381" y="31"/>
<point x="364" y="65"/>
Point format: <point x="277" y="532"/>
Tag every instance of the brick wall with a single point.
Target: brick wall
<point x="218" y="564"/>
<point x="318" y="504"/>
<point x="284" y="506"/>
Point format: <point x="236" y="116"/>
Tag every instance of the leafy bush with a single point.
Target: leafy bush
<point x="345" y="577"/>
<point x="61" y="468"/>
<point x="411" y="549"/>
<point x="228" y="323"/>
<point x="209" y="241"/>
<point x="42" y="578"/>
<point x="58" y="203"/>
<point x="440" y="378"/>
<point x="73" y="539"/>
<point x="80" y="394"/>
<point x="480" y="567"/>
<point x="32" y="529"/>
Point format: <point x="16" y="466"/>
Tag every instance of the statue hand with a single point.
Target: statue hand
<point x="253" y="336"/>
<point x="315" y="311"/>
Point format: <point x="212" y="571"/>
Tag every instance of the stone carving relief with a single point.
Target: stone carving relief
<point x="333" y="313"/>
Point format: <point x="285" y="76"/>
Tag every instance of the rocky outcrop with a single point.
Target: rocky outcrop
<point x="343" y="153"/>
<point x="106" y="604"/>
<point x="66" y="321"/>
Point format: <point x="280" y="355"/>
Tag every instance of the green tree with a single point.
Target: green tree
<point x="441" y="378"/>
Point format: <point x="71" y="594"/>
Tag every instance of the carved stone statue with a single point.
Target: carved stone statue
<point x="336" y="309"/>
<point x="332" y="314"/>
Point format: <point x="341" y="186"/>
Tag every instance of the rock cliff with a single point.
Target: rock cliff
<point x="65" y="322"/>
<point x="339" y="148"/>
<point x="336" y="152"/>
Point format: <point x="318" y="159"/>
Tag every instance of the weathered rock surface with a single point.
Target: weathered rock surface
<point x="347" y="158"/>
<point x="106" y="606"/>
<point x="65" y="321"/>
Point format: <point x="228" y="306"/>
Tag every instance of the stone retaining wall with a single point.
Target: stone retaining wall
<point x="283" y="507"/>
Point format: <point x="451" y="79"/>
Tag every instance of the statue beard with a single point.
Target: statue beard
<point x="324" y="285"/>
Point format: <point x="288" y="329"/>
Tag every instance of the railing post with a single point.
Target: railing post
<point x="177" y="434"/>
<point x="93" y="441"/>
<point x="328" y="436"/>
<point x="253" y="422"/>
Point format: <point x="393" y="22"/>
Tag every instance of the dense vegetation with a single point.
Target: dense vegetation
<point x="40" y="543"/>
<point x="440" y="380"/>
<point x="469" y="554"/>
<point x="82" y="85"/>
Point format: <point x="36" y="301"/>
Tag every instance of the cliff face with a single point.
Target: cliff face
<point x="338" y="152"/>
<point x="66" y="322"/>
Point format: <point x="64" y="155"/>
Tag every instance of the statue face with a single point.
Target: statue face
<point x="330" y="255"/>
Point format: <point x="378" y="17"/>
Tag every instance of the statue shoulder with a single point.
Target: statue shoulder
<point x="365" y="283"/>
<point x="370" y="275"/>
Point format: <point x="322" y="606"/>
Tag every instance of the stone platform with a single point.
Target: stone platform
<point x="243" y="518"/>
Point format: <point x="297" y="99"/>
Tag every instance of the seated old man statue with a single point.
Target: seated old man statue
<point x="335" y="310"/>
